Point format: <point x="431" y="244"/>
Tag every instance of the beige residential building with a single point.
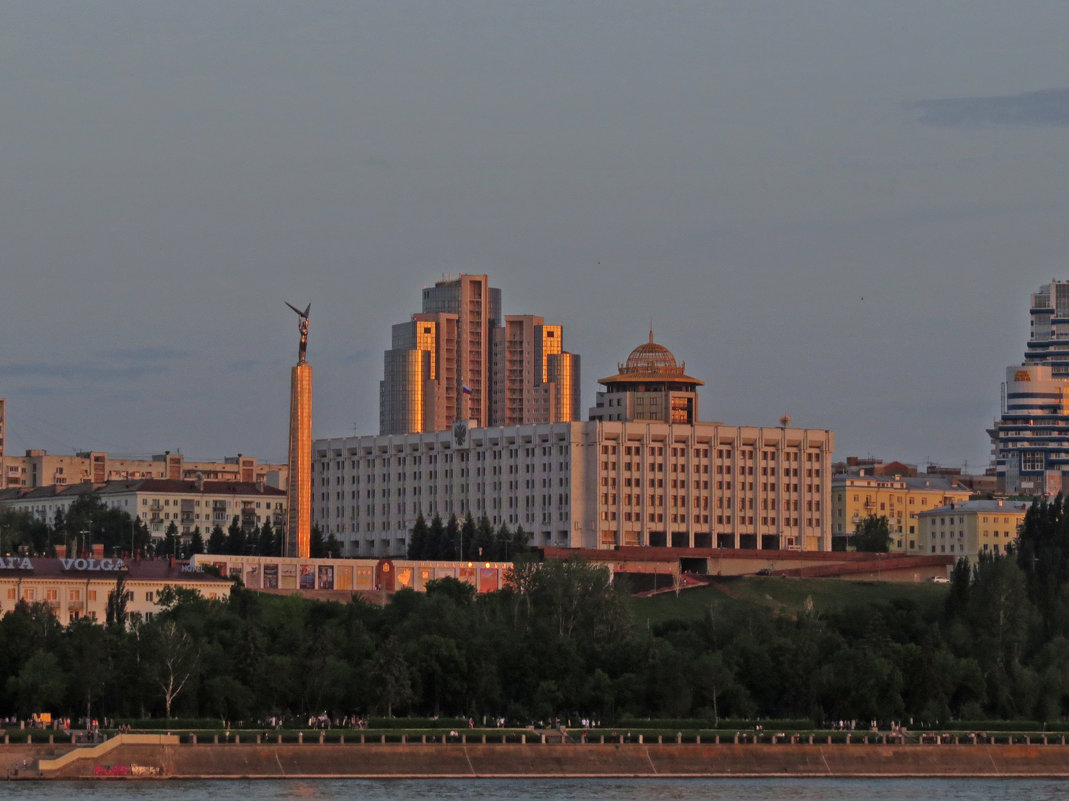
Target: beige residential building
<point x="80" y="587"/>
<point x="38" y="468"/>
<point x="160" y="502"/>
<point x="970" y="528"/>
<point x="898" y="498"/>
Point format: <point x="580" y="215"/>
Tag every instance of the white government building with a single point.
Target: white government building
<point x="642" y="472"/>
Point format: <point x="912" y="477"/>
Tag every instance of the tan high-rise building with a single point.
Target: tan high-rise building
<point x="534" y="379"/>
<point x="459" y="360"/>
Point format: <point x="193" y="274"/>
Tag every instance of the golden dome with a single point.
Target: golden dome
<point x="651" y="362"/>
<point x="649" y="357"/>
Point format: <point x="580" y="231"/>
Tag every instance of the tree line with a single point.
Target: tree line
<point x="563" y="640"/>
<point x="457" y="540"/>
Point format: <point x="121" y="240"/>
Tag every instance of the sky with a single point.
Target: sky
<point x="835" y="210"/>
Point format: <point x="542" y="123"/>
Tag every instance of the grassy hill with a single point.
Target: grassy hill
<point x="785" y="596"/>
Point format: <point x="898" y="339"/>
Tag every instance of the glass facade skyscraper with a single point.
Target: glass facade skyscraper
<point x="1030" y="440"/>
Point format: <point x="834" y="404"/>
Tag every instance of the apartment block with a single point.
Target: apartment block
<point x="159" y="502"/>
<point x="970" y="528"/>
<point x="901" y="499"/>
<point x="459" y="359"/>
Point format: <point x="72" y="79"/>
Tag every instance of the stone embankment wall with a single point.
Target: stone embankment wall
<point x="172" y="760"/>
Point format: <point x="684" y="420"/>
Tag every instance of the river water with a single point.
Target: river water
<point x="544" y="790"/>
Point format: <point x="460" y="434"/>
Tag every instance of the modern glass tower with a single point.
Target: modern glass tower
<point x="1030" y="440"/>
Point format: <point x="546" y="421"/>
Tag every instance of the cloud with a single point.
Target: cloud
<point x="243" y="366"/>
<point x="357" y="356"/>
<point x="149" y="354"/>
<point x="79" y="372"/>
<point x="1049" y="107"/>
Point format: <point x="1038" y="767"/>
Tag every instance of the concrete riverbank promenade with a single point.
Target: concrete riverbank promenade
<point x="155" y="756"/>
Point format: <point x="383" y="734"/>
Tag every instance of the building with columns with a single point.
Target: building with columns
<point x="649" y="474"/>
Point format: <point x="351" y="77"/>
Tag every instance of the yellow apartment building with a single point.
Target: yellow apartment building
<point x="898" y="498"/>
<point x="970" y="528"/>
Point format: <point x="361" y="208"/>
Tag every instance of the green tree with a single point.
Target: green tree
<point x="449" y="547"/>
<point x="436" y="540"/>
<point x="172" y="542"/>
<point x="331" y="546"/>
<point x="117" y="598"/>
<point x="87" y="646"/>
<point x="267" y="544"/>
<point x="483" y="540"/>
<point x="89" y="520"/>
<point x="417" y="541"/>
<point x="196" y="542"/>
<point x="235" y="538"/>
<point x="317" y="548"/>
<point x="22" y="531"/>
<point x="217" y="540"/>
<point x="466" y="545"/>
<point x="391" y="676"/>
<point x="872" y="535"/>
<point x="40" y="685"/>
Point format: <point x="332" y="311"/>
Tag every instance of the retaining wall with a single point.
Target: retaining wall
<point x="139" y="760"/>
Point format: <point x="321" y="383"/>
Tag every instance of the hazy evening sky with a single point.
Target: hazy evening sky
<point x="832" y="209"/>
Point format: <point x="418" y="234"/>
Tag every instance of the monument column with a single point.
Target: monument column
<point x="299" y="486"/>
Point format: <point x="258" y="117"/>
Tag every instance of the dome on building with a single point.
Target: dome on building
<point x="650" y="362"/>
<point x="649" y="357"/>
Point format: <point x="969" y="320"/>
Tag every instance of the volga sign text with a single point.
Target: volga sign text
<point x="93" y="564"/>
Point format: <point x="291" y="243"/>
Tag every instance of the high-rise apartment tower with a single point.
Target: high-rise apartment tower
<point x="1030" y="440"/>
<point x="459" y="359"/>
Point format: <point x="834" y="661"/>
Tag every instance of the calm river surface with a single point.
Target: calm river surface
<point x="548" y="789"/>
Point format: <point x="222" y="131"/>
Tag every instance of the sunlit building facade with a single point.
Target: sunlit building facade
<point x="39" y="468"/>
<point x="971" y="528"/>
<point x="459" y="359"/>
<point x="635" y="480"/>
<point x="1030" y="440"/>
<point x="900" y="499"/>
